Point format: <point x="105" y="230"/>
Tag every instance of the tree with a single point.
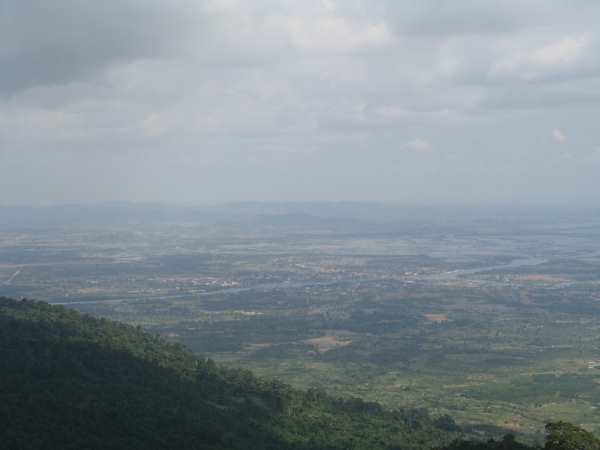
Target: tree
<point x="566" y="436"/>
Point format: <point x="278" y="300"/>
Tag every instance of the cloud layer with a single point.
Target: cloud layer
<point x="216" y="100"/>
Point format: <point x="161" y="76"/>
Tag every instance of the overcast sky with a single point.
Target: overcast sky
<point x="192" y="101"/>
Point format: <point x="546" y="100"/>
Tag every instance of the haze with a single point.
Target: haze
<point x="195" y="102"/>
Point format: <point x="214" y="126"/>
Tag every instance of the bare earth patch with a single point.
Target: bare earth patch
<point x="437" y="318"/>
<point x="541" y="278"/>
<point x="257" y="346"/>
<point x="325" y="343"/>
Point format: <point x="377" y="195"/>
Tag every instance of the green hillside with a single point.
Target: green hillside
<point x="71" y="381"/>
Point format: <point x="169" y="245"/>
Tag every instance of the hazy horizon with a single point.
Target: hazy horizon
<point x="501" y="205"/>
<point x="211" y="102"/>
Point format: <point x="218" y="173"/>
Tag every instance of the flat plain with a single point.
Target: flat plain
<point x="494" y="322"/>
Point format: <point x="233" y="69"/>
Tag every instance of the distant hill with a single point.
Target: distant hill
<point x="70" y="381"/>
<point x="363" y="216"/>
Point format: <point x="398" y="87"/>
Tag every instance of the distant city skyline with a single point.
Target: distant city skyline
<point x="215" y="101"/>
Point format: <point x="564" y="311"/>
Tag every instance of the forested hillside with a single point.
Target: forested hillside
<point x="70" y="381"/>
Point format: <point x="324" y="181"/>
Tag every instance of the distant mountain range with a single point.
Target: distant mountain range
<point x="352" y="215"/>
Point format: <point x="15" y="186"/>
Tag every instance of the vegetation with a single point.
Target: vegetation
<point x="71" y="381"/>
<point x="565" y="436"/>
<point x="559" y="436"/>
<point x="495" y="324"/>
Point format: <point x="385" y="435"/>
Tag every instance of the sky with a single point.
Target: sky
<point x="205" y="102"/>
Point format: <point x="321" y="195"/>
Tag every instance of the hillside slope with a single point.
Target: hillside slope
<point x="71" y="381"/>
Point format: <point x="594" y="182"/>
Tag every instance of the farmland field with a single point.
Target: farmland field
<point x="497" y="324"/>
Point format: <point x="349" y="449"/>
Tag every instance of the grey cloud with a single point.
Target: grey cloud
<point x="62" y="41"/>
<point x="585" y="93"/>
<point x="216" y="100"/>
<point x="439" y="17"/>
